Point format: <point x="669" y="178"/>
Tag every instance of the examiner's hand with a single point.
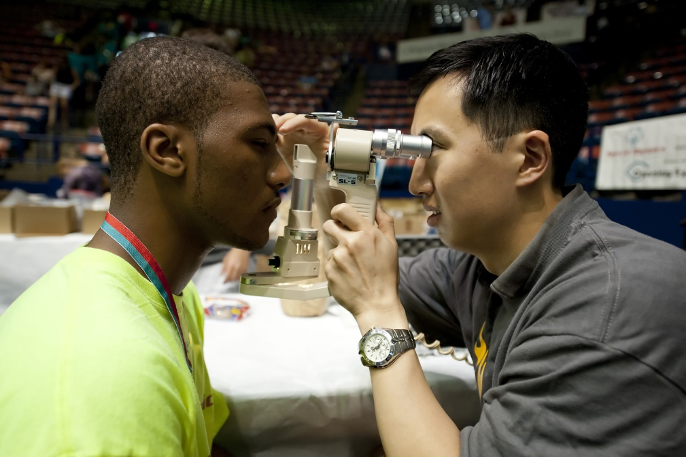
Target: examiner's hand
<point x="235" y="264"/>
<point x="297" y="129"/>
<point x="363" y="269"/>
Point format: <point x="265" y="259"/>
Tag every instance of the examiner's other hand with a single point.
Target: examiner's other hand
<point x="297" y="129"/>
<point x="235" y="264"/>
<point x="363" y="268"/>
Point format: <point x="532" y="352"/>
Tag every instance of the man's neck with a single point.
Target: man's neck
<point x="176" y="251"/>
<point x="515" y="238"/>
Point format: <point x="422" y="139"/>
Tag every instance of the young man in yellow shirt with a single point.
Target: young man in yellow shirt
<point x="103" y="355"/>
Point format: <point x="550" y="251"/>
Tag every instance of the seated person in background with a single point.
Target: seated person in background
<point x="82" y="177"/>
<point x="234" y="264"/>
<point x="104" y="354"/>
<point x="33" y="87"/>
<point x="509" y="17"/>
<point x="576" y="324"/>
<point x="62" y="87"/>
<point x="39" y="81"/>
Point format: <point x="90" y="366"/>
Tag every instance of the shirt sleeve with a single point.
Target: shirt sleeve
<point x="564" y="395"/>
<point x="425" y="290"/>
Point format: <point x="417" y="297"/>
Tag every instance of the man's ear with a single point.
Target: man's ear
<point x="164" y="147"/>
<point x="537" y="160"/>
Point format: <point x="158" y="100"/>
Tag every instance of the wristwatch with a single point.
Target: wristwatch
<point x="380" y="347"/>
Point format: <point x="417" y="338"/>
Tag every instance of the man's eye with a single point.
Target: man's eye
<point x="260" y="143"/>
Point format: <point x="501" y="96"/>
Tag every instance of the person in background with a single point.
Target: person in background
<point x="104" y="354"/>
<point x="235" y="263"/>
<point x="84" y="59"/>
<point x="508" y="18"/>
<point x="245" y="51"/>
<point x="61" y="89"/>
<point x="485" y="16"/>
<point x="575" y="324"/>
<point x="43" y="73"/>
<point x="81" y="177"/>
<point x="130" y="38"/>
<point x="34" y="87"/>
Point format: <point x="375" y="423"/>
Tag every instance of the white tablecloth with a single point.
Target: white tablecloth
<point x="23" y="260"/>
<point x="294" y="386"/>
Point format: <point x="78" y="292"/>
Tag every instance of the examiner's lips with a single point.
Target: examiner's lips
<point x="431" y="209"/>
<point x="434" y="217"/>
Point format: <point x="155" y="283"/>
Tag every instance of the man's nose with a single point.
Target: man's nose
<point x="279" y="176"/>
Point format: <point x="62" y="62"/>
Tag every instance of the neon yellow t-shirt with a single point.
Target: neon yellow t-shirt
<point x="91" y="364"/>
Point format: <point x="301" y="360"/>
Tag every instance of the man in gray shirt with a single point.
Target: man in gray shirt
<point x="576" y="324"/>
<point x="579" y="342"/>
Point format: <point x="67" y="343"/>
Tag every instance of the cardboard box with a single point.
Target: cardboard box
<point x="92" y="220"/>
<point x="6" y="220"/>
<point x="410" y="218"/>
<point x="411" y="224"/>
<point x="34" y="220"/>
<point x="403" y="204"/>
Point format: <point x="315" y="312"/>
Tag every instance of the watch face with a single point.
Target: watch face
<point x="376" y="347"/>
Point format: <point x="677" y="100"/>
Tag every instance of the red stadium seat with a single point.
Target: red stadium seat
<point x="600" y="105"/>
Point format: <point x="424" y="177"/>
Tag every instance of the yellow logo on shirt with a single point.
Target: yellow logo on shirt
<point x="481" y="352"/>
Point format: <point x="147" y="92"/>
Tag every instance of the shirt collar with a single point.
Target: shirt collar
<point x="544" y="247"/>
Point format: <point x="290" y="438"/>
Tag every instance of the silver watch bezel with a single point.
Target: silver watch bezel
<point x="392" y="347"/>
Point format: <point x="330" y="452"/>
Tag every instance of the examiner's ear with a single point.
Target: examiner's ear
<point x="164" y="147"/>
<point x="536" y="157"/>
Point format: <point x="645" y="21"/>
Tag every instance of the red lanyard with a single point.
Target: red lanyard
<point x="145" y="260"/>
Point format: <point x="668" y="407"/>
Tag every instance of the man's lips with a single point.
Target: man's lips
<point x="433" y="210"/>
<point x="273" y="205"/>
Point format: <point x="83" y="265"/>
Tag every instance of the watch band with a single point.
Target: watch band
<point x="403" y="339"/>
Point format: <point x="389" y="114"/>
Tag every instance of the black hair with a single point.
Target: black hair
<point x="160" y="80"/>
<point x="515" y="82"/>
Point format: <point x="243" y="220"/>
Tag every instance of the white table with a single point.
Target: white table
<point x="295" y="386"/>
<point x="23" y="260"/>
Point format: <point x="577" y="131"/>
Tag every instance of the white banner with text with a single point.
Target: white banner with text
<point x="648" y="154"/>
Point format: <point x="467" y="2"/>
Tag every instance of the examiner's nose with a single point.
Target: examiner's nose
<point x="420" y="184"/>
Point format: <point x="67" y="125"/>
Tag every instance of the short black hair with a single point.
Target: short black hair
<point x="160" y="80"/>
<point x="515" y="82"/>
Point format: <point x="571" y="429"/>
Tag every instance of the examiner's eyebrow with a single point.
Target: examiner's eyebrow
<point x="432" y="132"/>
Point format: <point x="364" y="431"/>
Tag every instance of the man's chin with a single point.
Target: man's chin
<point x="250" y="244"/>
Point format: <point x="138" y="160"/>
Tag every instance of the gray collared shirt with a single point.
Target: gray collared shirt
<point x="579" y="346"/>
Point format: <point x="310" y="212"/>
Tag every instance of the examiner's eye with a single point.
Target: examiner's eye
<point x="260" y="143"/>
